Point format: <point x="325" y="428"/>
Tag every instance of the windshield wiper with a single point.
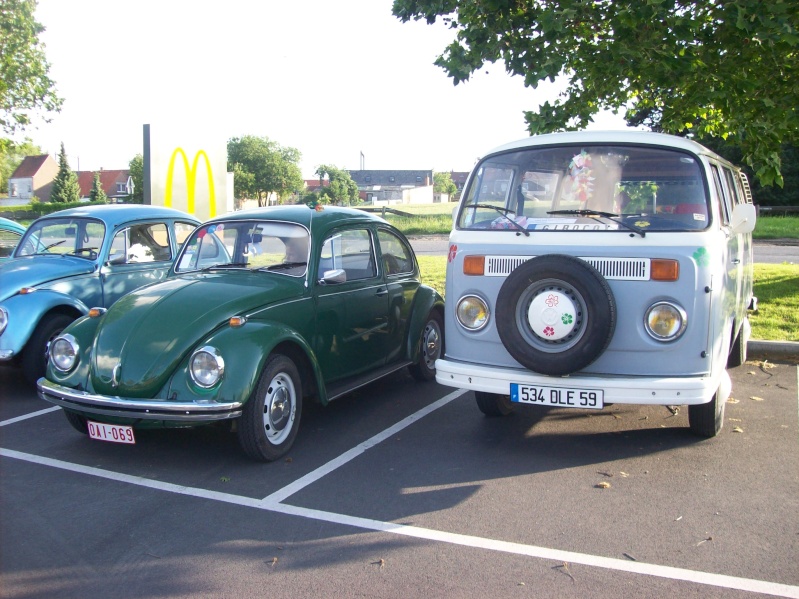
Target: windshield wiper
<point x="504" y="212"/>
<point x="609" y="215"/>
<point x="225" y="265"/>
<point x="284" y="266"/>
<point x="52" y="245"/>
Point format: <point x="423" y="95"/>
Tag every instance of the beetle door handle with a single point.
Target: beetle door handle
<point x="381" y="292"/>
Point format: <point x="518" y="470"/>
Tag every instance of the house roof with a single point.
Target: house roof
<point x="459" y="177"/>
<point x="397" y="178"/>
<point x="108" y="181"/>
<point x="316" y="184"/>
<point x="29" y="166"/>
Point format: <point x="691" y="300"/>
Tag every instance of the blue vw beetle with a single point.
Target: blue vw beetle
<point x="10" y="234"/>
<point x="73" y="260"/>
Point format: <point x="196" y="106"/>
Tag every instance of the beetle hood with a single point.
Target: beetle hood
<point x="38" y="270"/>
<point x="145" y="335"/>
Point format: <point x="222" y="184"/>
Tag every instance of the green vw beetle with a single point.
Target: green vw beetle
<point x="263" y="309"/>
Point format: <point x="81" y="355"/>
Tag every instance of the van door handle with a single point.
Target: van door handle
<point x="736" y="261"/>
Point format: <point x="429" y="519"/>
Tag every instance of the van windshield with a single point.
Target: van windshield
<point x="587" y="188"/>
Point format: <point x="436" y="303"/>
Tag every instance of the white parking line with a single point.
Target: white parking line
<point x="27" y="416"/>
<point x="353" y="453"/>
<point x="273" y="503"/>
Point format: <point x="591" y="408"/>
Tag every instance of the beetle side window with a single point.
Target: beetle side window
<point x="141" y="243"/>
<point x="397" y="257"/>
<point x="351" y="251"/>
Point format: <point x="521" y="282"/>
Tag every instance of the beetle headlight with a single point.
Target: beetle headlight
<point x="64" y="352"/>
<point x="665" y="321"/>
<point x="472" y="312"/>
<point x="3" y="320"/>
<point x="206" y="366"/>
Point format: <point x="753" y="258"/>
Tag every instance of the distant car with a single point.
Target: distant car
<point x="10" y="234"/>
<point x="76" y="259"/>
<point x="265" y="309"/>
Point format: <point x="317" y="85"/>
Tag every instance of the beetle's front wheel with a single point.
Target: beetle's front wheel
<point x="271" y="417"/>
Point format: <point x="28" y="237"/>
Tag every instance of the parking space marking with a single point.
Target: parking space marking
<point x="353" y="453"/>
<point x="704" y="578"/>
<point x="274" y="503"/>
<point x="27" y="416"/>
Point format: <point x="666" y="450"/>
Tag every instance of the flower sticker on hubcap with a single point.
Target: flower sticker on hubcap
<point x="551" y="315"/>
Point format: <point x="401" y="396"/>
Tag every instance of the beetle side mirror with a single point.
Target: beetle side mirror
<point x="743" y="218"/>
<point x="337" y="275"/>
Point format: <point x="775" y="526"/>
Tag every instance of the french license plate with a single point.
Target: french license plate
<point x="114" y="433"/>
<point x="561" y="397"/>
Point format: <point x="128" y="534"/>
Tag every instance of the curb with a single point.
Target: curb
<point x="773" y="349"/>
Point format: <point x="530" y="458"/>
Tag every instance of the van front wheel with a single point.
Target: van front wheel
<point x="707" y="419"/>
<point x="493" y="404"/>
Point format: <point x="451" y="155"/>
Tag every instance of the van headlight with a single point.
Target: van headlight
<point x="206" y="366"/>
<point x="665" y="321"/>
<point x="472" y="312"/>
<point x="64" y="352"/>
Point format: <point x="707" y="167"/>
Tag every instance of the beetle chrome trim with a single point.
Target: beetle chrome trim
<point x="91" y="403"/>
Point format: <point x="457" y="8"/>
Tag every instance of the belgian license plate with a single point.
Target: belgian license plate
<point x="561" y="397"/>
<point x="114" y="433"/>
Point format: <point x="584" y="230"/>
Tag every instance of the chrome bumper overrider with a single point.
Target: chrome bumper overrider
<point x="139" y="409"/>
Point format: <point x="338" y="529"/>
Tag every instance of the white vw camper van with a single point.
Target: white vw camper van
<point x="593" y="268"/>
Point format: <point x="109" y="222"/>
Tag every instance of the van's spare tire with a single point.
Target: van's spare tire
<point x="555" y="314"/>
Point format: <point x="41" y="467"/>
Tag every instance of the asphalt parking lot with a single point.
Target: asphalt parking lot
<point x="405" y="490"/>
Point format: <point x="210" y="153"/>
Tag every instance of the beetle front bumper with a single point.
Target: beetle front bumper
<point x="137" y="409"/>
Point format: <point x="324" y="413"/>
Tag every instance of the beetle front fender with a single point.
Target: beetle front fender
<point x="244" y="350"/>
<point x="26" y="311"/>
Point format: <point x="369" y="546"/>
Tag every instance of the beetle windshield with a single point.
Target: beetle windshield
<point x="587" y="188"/>
<point x="77" y="236"/>
<point x="269" y="246"/>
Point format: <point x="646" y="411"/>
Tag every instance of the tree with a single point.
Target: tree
<point x="341" y="191"/>
<point x="706" y="68"/>
<point x="136" y="166"/>
<point x="443" y="183"/>
<point x="65" y="185"/>
<point x="25" y="87"/>
<point x="11" y="156"/>
<point x="261" y="167"/>
<point x="97" y="194"/>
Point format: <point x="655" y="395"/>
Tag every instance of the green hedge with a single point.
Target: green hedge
<point x="37" y="209"/>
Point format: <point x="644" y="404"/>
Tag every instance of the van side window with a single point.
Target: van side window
<point x="723" y="204"/>
<point x="735" y="195"/>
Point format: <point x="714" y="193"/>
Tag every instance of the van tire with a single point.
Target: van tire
<point x="583" y="290"/>
<point x="738" y="351"/>
<point x="707" y="419"/>
<point x="493" y="404"/>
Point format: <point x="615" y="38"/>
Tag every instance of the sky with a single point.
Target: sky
<point x="333" y="79"/>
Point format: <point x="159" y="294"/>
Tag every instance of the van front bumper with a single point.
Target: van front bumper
<point x="647" y="390"/>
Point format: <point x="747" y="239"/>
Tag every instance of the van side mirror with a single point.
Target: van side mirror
<point x="743" y="218"/>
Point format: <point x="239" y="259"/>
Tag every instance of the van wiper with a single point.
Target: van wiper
<point x="504" y="212"/>
<point x="609" y="215"/>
